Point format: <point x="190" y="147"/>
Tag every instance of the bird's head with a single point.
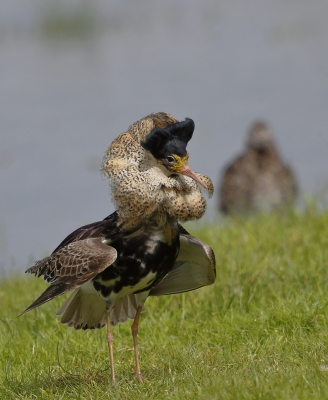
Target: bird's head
<point x="168" y="147"/>
<point x="260" y="138"/>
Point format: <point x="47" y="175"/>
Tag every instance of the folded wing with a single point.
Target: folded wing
<point x="72" y="266"/>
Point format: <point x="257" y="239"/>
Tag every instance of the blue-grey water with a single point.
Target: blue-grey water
<point x="65" y="97"/>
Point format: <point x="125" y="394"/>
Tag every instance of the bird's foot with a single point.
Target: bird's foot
<point x="139" y="377"/>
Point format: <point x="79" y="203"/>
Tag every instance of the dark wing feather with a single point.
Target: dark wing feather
<point x="105" y="228"/>
<point x="71" y="266"/>
<point x="194" y="267"/>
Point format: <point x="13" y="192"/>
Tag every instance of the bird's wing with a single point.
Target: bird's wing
<point x="194" y="267"/>
<point x="106" y="228"/>
<point x="71" y="266"/>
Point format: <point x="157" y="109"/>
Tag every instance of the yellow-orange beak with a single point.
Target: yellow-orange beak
<point x="185" y="170"/>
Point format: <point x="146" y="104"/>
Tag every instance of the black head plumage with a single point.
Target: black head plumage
<point x="172" y="139"/>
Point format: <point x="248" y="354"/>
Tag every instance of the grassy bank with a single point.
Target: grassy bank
<point x="259" y="332"/>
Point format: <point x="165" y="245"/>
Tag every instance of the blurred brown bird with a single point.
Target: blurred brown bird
<point x="141" y="250"/>
<point x="257" y="180"/>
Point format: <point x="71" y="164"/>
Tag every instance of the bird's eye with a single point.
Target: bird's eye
<point x="170" y="159"/>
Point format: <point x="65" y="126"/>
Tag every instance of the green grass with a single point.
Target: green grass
<point x="260" y="332"/>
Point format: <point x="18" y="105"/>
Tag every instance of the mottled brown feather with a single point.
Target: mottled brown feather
<point x="140" y="187"/>
<point x="72" y="266"/>
<point x="257" y="180"/>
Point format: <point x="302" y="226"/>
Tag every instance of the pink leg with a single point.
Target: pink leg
<point x="110" y="340"/>
<point x="134" y="330"/>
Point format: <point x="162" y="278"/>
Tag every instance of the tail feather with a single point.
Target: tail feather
<point x="84" y="309"/>
<point x="130" y="305"/>
<point x="67" y="302"/>
<point x="125" y="308"/>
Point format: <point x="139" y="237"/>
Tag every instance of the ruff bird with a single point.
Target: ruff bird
<point x="257" y="180"/>
<point x="140" y="250"/>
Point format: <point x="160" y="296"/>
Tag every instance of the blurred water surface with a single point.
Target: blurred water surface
<point x="75" y="74"/>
